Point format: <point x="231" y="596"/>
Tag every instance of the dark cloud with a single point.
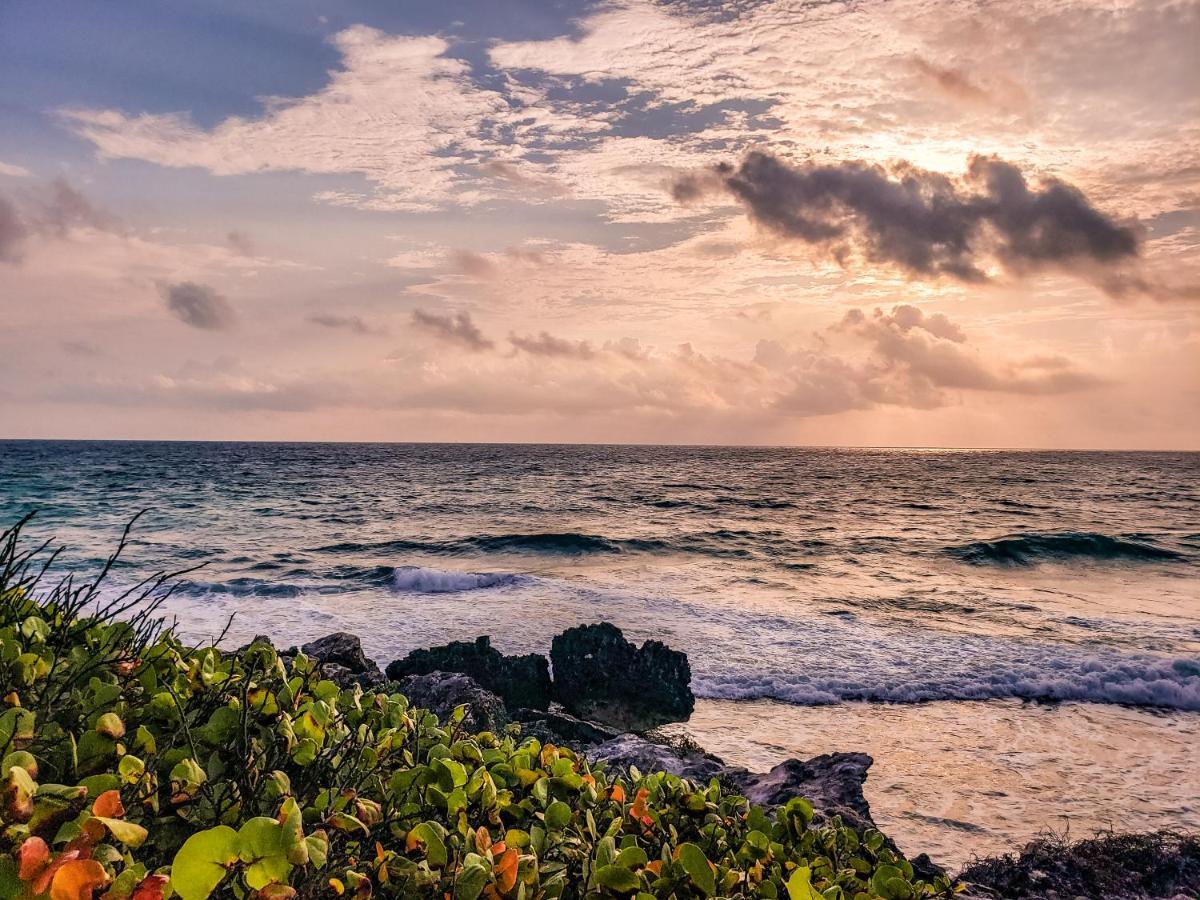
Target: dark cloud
<point x="997" y="92"/>
<point x="455" y="329"/>
<point x="13" y="232"/>
<point x="61" y="208"/>
<point x="241" y="243"/>
<point x="349" y="323"/>
<point x="546" y="344"/>
<point x="53" y="209"/>
<point x="923" y="222"/>
<point x="198" y="305"/>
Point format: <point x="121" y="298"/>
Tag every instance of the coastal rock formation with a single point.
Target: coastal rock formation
<point x="833" y="783"/>
<point x="628" y="750"/>
<point x="443" y="692"/>
<point x="601" y="676"/>
<point x="343" y="661"/>
<point x="523" y="681"/>
<point x="557" y="727"/>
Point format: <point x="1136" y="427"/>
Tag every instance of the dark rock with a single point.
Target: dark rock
<point x="601" y="676"/>
<point x="523" y="681"/>
<point x="442" y="692"/>
<point x="343" y="661"/>
<point x="555" y="727"/>
<point x="628" y="750"/>
<point x="833" y="783"/>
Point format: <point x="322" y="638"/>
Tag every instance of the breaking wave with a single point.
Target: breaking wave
<point x="1028" y="549"/>
<point x="1149" y="681"/>
<point x="419" y="580"/>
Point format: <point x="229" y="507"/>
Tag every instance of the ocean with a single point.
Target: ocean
<point x="1015" y="636"/>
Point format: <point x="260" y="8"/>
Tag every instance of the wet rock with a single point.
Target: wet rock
<point x="442" y="692"/>
<point x="343" y="661"/>
<point x="522" y="681"/>
<point x="599" y="675"/>
<point x="557" y="727"/>
<point x="628" y="750"/>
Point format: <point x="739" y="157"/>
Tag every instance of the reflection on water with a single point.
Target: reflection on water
<point x="954" y="779"/>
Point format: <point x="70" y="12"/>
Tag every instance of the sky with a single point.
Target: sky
<point x="902" y="223"/>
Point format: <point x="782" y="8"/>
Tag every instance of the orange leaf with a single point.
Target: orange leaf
<point x="655" y="866"/>
<point x="77" y="880"/>
<point x="277" y="892"/>
<point x="150" y="888"/>
<point x="483" y="840"/>
<point x="34" y="856"/>
<point x="498" y="849"/>
<point x="108" y="805"/>
<point x="616" y="793"/>
<point x="506" y="870"/>
<point x="639" y="810"/>
<point x="90" y="834"/>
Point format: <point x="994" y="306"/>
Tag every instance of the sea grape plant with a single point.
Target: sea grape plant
<point x="136" y="767"/>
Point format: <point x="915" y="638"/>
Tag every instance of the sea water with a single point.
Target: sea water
<point x="1015" y="636"/>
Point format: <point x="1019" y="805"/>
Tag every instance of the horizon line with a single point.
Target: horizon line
<point x="631" y="444"/>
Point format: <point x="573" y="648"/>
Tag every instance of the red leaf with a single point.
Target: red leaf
<point x="109" y="805"/>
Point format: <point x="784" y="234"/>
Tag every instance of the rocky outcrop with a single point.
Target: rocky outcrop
<point x="557" y="727"/>
<point x="522" y="681"/>
<point x="601" y="676"/>
<point x="833" y="783"/>
<point x="343" y="661"/>
<point x="627" y="750"/>
<point x="443" y="692"/>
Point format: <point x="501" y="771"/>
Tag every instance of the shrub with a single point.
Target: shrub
<point x="135" y="766"/>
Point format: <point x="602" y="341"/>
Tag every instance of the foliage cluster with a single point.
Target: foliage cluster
<point x="135" y="766"/>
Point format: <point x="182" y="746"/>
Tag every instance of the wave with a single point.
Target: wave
<point x="420" y="580"/>
<point x="240" y="587"/>
<point x="1030" y="548"/>
<point x="1150" y="682"/>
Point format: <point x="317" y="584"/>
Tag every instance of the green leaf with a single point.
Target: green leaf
<point x="617" y="878"/>
<point x="128" y="833"/>
<point x="318" y="848"/>
<point x="262" y="845"/>
<point x="558" y="815"/>
<point x="202" y="861"/>
<point x="696" y="864"/>
<point x="800" y="886"/>
<point x="429" y="835"/>
<point x="469" y="883"/>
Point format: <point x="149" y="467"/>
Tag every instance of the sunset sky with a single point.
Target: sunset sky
<point x="920" y="222"/>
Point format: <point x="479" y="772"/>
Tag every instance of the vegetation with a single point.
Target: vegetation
<point x="135" y="766"/>
<point x="1153" y="864"/>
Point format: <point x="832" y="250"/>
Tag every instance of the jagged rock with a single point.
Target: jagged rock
<point x="522" y="681"/>
<point x="558" y="727"/>
<point x="442" y="692"/>
<point x="628" y="750"/>
<point x="601" y="676"/>
<point x="833" y="783"/>
<point x="343" y="661"/>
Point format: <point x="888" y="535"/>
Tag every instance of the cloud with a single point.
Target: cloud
<point x="350" y="323"/>
<point x="13" y="231"/>
<point x="13" y="171"/>
<point x="916" y="356"/>
<point x="198" y="305"/>
<point x="454" y="329"/>
<point x="241" y="243"/>
<point x="923" y="222"/>
<point x="546" y="344"/>
<point x="997" y="92"/>
<point x="54" y="209"/>
<point x="399" y="111"/>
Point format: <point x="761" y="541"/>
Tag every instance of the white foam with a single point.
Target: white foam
<point x="420" y="580"/>
<point x="1141" y="681"/>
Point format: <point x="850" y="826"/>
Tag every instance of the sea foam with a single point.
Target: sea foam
<point x="420" y="580"/>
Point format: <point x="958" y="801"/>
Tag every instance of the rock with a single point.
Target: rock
<point x="343" y="661"/>
<point x="442" y="692"/>
<point x="601" y="676"/>
<point x="833" y="783"/>
<point x="628" y="750"/>
<point x="557" y="727"/>
<point x="522" y="681"/>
